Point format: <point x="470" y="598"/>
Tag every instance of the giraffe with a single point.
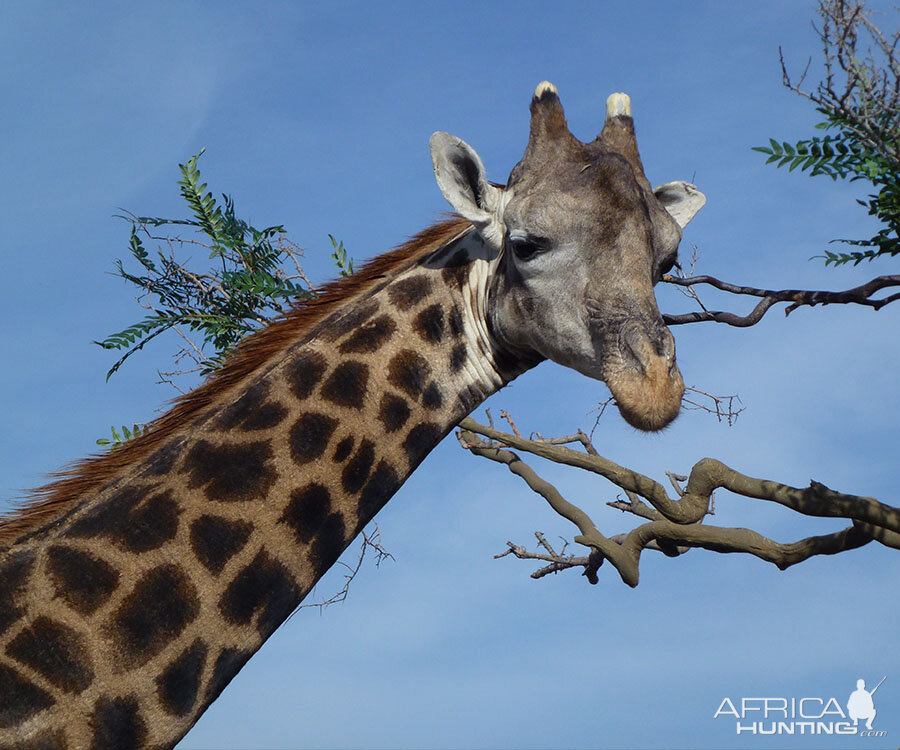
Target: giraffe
<point x="136" y="586"/>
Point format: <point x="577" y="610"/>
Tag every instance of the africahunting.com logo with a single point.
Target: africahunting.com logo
<point x="811" y="716"/>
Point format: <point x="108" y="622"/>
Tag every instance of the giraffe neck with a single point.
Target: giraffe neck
<point x="121" y="621"/>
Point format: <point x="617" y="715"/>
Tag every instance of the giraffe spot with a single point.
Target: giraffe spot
<point x="408" y="371"/>
<point x="156" y="611"/>
<point x="252" y="411"/>
<point x="179" y="683"/>
<point x="81" y="580"/>
<point x="162" y="461"/>
<point x="429" y="324"/>
<point x="131" y="520"/>
<point x="370" y="337"/>
<point x="410" y="291"/>
<point x="310" y="435"/>
<point x="343" y="323"/>
<point x="456" y="270"/>
<point x="117" y="722"/>
<point x="343" y="448"/>
<point x="228" y="664"/>
<point x="346" y="386"/>
<point x="22" y="699"/>
<point x="420" y="440"/>
<point x="328" y="544"/>
<point x="432" y="397"/>
<point x="216" y="540"/>
<point x="231" y="471"/>
<point x="393" y="413"/>
<point x="307" y="510"/>
<point x="458" y="357"/>
<point x="383" y="483"/>
<point x="56" y="652"/>
<point x="455" y="322"/>
<point x="13" y="577"/>
<point x="469" y="397"/>
<point x="357" y="469"/>
<point x="304" y="372"/>
<point x="263" y="587"/>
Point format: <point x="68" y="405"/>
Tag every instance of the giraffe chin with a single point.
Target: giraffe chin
<point x="648" y="400"/>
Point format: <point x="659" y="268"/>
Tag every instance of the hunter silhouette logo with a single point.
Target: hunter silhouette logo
<point x="860" y="704"/>
<point x="809" y="715"/>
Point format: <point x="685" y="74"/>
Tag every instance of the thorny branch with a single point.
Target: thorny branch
<point x="370" y="540"/>
<point x="673" y="526"/>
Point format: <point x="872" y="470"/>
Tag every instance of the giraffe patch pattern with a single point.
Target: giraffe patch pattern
<point x="357" y="469"/>
<point x="228" y="664"/>
<point x="370" y="337"/>
<point x="458" y="358"/>
<point x="383" y="483"/>
<point x="157" y="610"/>
<point x="393" y="412"/>
<point x="252" y="411"/>
<point x="429" y="324"/>
<point x="131" y="520"/>
<point x="305" y="372"/>
<point x="310" y="435"/>
<point x="328" y="545"/>
<point x="216" y="540"/>
<point x="307" y="510"/>
<point x="340" y="324"/>
<point x="343" y="449"/>
<point x="117" y="723"/>
<point x="81" y="580"/>
<point x="22" y="699"/>
<point x="56" y="652"/>
<point x="233" y="457"/>
<point x="178" y="685"/>
<point x="421" y="439"/>
<point x="346" y="386"/>
<point x="232" y="471"/>
<point x="409" y="292"/>
<point x="409" y="371"/>
<point x="13" y="577"/>
<point x="264" y="588"/>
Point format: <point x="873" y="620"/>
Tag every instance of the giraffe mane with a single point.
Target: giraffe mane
<point x="49" y="501"/>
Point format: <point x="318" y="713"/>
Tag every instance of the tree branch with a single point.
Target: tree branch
<point x="859" y="295"/>
<point x="675" y="526"/>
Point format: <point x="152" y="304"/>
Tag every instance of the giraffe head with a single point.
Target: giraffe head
<point x="579" y="239"/>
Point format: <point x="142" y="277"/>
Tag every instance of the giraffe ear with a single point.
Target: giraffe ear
<point x="461" y="178"/>
<point x="681" y="199"/>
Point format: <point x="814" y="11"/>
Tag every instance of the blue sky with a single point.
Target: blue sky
<point x="317" y="116"/>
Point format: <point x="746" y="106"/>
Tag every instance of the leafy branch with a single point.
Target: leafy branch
<point x="253" y="275"/>
<point x="859" y="100"/>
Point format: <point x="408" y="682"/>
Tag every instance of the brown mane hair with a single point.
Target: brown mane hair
<point x="89" y="474"/>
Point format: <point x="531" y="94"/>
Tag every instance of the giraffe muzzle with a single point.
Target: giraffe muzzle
<point x="645" y="380"/>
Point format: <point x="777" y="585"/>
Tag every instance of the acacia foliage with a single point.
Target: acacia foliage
<point x="245" y="282"/>
<point x="859" y="101"/>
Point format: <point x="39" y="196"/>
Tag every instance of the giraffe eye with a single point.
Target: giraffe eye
<point x="526" y="248"/>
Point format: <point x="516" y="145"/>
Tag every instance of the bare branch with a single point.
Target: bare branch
<point x="723" y="407"/>
<point x="371" y="540"/>
<point x="674" y="526"/>
<point x="859" y="295"/>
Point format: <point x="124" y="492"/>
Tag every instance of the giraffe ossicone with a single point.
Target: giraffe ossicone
<point x="618" y="105"/>
<point x="134" y="588"/>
